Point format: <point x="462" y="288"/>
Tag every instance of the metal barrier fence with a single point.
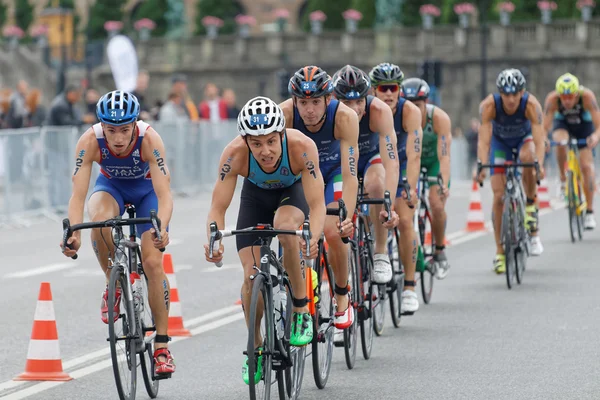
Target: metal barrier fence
<point x="36" y="165"/>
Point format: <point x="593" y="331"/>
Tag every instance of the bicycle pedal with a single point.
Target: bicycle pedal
<point x="160" y="377"/>
<point x="364" y="313"/>
<point x="407" y="312"/>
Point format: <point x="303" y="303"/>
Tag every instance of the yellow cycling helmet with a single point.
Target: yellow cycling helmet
<point x="567" y="84"/>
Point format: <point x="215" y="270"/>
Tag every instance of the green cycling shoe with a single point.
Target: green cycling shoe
<point x="301" y="330"/>
<point x="259" y="368"/>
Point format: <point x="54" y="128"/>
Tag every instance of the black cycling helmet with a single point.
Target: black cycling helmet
<point x="310" y="82"/>
<point x="350" y="83"/>
<point x="386" y="73"/>
<point x="414" y="89"/>
<point x="510" y="81"/>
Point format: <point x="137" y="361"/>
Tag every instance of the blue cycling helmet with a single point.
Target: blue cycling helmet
<point x="118" y="108"/>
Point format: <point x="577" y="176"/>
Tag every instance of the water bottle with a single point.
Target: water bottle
<point x="138" y="301"/>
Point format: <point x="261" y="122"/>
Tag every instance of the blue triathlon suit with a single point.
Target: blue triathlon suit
<point x="127" y="178"/>
<point x="263" y="193"/>
<point x="401" y="138"/>
<point x="368" y="142"/>
<point x="509" y="132"/>
<point x="329" y="151"/>
<point x="577" y="121"/>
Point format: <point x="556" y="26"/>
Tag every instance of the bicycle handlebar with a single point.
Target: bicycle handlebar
<point x="342" y="211"/>
<point x="534" y="164"/>
<point x="261" y="230"/>
<point x="68" y="229"/>
<point x="572" y="141"/>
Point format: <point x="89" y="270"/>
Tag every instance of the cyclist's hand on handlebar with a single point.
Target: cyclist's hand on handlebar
<point x="164" y="235"/>
<point x="346" y="228"/>
<point x="592" y="140"/>
<point x="481" y="177"/>
<point x="444" y="192"/>
<point x="388" y="224"/>
<point x="217" y="256"/>
<point x="542" y="172"/>
<point x="74" y="243"/>
<point x="412" y="202"/>
<point x="314" y="247"/>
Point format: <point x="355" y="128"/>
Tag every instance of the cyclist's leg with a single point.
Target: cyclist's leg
<point x="586" y="161"/>
<point x="560" y="132"/>
<point x="374" y="185"/>
<point x="499" y="153"/>
<point x="527" y="155"/>
<point x="408" y="247"/>
<point x="290" y="215"/>
<point x="437" y="205"/>
<point x="159" y="290"/>
<point x="338" y="251"/>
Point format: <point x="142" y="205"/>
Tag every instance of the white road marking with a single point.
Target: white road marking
<point x="42" y="270"/>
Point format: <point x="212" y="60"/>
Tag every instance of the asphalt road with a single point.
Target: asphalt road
<point x="475" y="340"/>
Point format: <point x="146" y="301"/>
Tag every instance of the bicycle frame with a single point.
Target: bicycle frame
<point x="574" y="166"/>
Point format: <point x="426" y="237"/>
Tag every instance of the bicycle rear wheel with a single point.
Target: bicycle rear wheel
<point x="428" y="247"/>
<point x="147" y="356"/>
<point x="121" y="335"/>
<point x="521" y="252"/>
<point x="367" y="311"/>
<point x="397" y="283"/>
<point x="322" y="344"/>
<point x="351" y="333"/>
<point x="260" y="291"/>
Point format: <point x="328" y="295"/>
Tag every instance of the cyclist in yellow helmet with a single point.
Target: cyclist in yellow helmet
<point x="572" y="110"/>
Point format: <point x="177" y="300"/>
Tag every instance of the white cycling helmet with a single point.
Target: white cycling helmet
<point x="510" y="81"/>
<point x="260" y="116"/>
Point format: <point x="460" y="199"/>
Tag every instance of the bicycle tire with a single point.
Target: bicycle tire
<point x="367" y="331"/>
<point x="428" y="273"/>
<point x="147" y="356"/>
<point x="572" y="205"/>
<point x="289" y="381"/>
<point x="351" y="333"/>
<point x="396" y="285"/>
<point x="322" y="343"/>
<point x="259" y="287"/>
<point x="126" y="390"/>
<point x="507" y="241"/>
<point x="580" y="227"/>
<point x="521" y="250"/>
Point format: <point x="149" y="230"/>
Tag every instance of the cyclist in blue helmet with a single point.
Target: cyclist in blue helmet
<point x="133" y="170"/>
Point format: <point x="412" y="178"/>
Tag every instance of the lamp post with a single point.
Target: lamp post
<point x="483" y="7"/>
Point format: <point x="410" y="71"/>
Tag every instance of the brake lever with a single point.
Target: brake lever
<point x="156" y="226"/>
<point x="306" y="235"/>
<point x="387" y="204"/>
<point x="479" y="168"/>
<point x="67" y="232"/>
<point x="537" y="172"/>
<point x="406" y="186"/>
<point x="343" y="216"/>
<point x="213" y="245"/>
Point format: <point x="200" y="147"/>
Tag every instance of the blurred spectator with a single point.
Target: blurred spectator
<point x="63" y="111"/>
<point x="212" y="107"/>
<point x="91" y="100"/>
<point x="458" y="133"/>
<point x="173" y="110"/>
<point x="180" y="87"/>
<point x="36" y="112"/>
<point x="471" y="137"/>
<point x="17" y="110"/>
<point x="155" y="110"/>
<point x="229" y="99"/>
<point x="140" y="93"/>
<point x="4" y="106"/>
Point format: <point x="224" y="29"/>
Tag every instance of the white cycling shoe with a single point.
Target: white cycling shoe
<point x="410" y="302"/>
<point x="536" y="247"/>
<point x="382" y="269"/>
<point x="590" y="222"/>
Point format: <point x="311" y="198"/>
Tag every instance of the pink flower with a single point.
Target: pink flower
<point x="242" y="19"/>
<point x="317" y="16"/>
<point x="352" y="14"/>
<point x="13" y="31"/>
<point x="506" y="6"/>
<point x="585" y="3"/>
<point x="464" y="8"/>
<point x="209" y="20"/>
<point x="283" y="13"/>
<point x="144" y="23"/>
<point x="547" y="5"/>
<point x="113" y="26"/>
<point x="429" y="9"/>
<point x="38" y="30"/>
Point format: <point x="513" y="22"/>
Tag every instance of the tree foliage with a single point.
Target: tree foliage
<point x="102" y="11"/>
<point x="333" y="10"/>
<point x="224" y="9"/>
<point x="154" y="10"/>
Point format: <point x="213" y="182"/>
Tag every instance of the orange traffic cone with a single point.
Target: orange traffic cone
<point x="543" y="195"/>
<point x="475" y="218"/>
<point x="43" y="357"/>
<point x="175" y="317"/>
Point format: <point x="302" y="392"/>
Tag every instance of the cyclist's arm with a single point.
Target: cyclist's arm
<point x="533" y="112"/>
<point x="591" y="105"/>
<point x="153" y="150"/>
<point x="412" y="119"/>
<point x="86" y="149"/>
<point x="487" y="112"/>
<point x="382" y="121"/>
<point x="346" y="131"/>
<point x="443" y="127"/>
<point x="550" y="107"/>
<point x="314" y="188"/>
<point x="225" y="185"/>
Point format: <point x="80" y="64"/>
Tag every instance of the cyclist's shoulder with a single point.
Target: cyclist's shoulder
<point x="298" y="142"/>
<point x="89" y="139"/>
<point x="287" y="106"/>
<point x="552" y="99"/>
<point x="379" y="109"/>
<point x="345" y="117"/>
<point x="487" y="107"/>
<point x="438" y="115"/>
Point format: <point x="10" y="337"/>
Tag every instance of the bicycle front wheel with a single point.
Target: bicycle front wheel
<point x="367" y="311"/>
<point x="121" y="335"/>
<point x="508" y="241"/>
<point x="351" y="333"/>
<point x="322" y="344"/>
<point x="260" y="291"/>
<point x="572" y="206"/>
<point x="147" y="356"/>
<point x="428" y="248"/>
<point x="396" y="285"/>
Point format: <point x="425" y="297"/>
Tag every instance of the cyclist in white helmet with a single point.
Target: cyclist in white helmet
<point x="283" y="185"/>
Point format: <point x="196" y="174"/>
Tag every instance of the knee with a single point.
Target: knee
<point x="437" y="207"/>
<point x="374" y="187"/>
<point x="587" y="168"/>
<point x="405" y="223"/>
<point x="527" y="157"/>
<point x="498" y="195"/>
<point x="153" y="267"/>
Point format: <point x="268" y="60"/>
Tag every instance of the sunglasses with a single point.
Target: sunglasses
<point x="385" y="88"/>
